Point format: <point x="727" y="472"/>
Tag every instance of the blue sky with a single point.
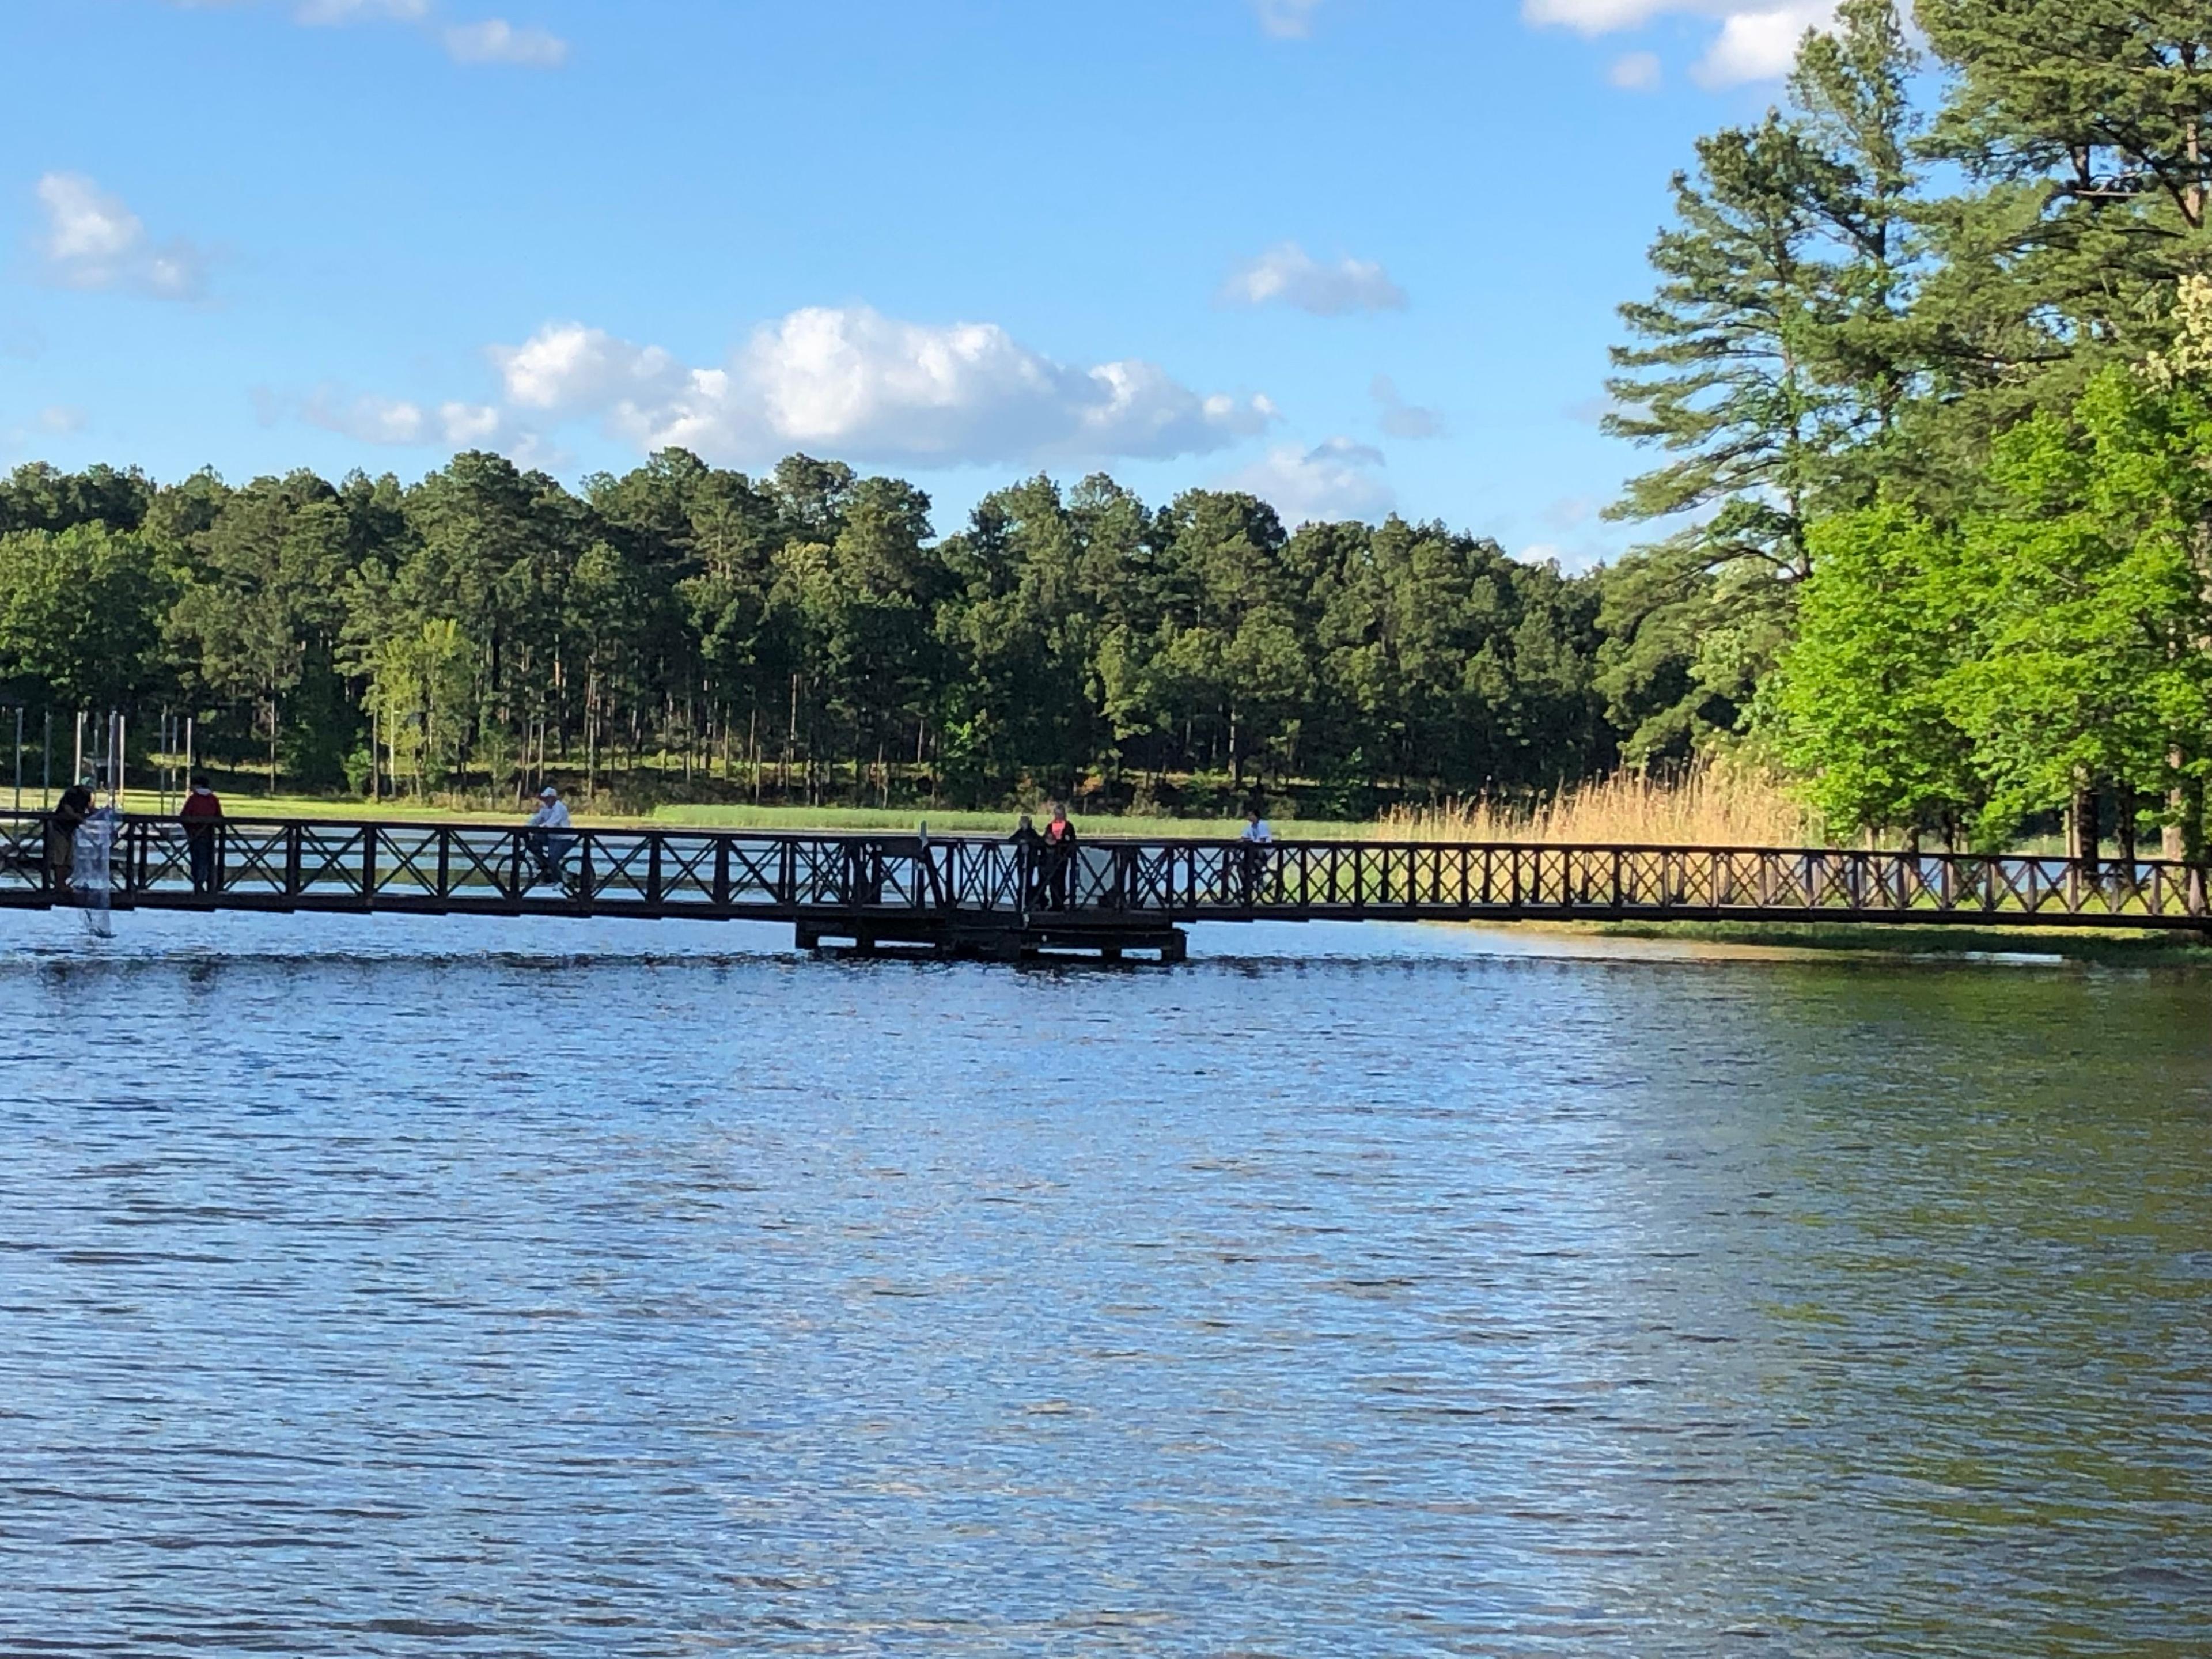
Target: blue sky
<point x="1356" y="255"/>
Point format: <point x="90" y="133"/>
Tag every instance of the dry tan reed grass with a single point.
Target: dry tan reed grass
<point x="1711" y="805"/>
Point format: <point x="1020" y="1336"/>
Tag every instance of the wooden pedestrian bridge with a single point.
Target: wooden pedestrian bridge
<point x="967" y="896"/>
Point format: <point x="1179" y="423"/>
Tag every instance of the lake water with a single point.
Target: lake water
<point x="415" y="1287"/>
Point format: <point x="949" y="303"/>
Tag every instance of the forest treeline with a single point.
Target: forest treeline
<point x="1929" y="363"/>
<point x="803" y="634"/>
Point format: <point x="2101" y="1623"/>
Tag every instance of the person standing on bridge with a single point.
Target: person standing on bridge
<point x="1029" y="850"/>
<point x="1058" y="857"/>
<point x="545" y="835"/>
<point x="1258" y="836"/>
<point x="67" y="819"/>
<point x="200" y="815"/>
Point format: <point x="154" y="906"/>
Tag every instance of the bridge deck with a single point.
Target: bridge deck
<point x="971" y="896"/>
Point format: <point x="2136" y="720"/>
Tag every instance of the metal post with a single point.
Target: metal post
<point x="46" y="762"/>
<point x="76" y="772"/>
<point x="19" y="758"/>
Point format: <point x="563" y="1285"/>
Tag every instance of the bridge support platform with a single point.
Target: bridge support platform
<point x="986" y="938"/>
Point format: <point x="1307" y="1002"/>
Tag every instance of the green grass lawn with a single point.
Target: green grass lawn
<point x="947" y="823"/>
<point x="239" y="804"/>
<point x="242" y="805"/>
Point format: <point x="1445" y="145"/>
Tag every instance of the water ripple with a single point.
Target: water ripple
<point x="624" y="1292"/>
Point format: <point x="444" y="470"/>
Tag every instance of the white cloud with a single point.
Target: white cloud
<point x="496" y="40"/>
<point x="1637" y="71"/>
<point x="1593" y="17"/>
<point x="1571" y="561"/>
<point x="1758" y="39"/>
<point x="93" y="241"/>
<point x="852" y="381"/>
<point x="1333" y="480"/>
<point x="1762" y="44"/>
<point x="373" y="420"/>
<point x="1400" y="418"/>
<point x="326" y="13"/>
<point x="1571" y="512"/>
<point x="1286" y="19"/>
<point x="565" y="368"/>
<point x="471" y="426"/>
<point x="491" y="40"/>
<point x="1287" y="274"/>
<point x="61" y="417"/>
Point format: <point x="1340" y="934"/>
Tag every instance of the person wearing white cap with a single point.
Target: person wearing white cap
<point x="545" y="841"/>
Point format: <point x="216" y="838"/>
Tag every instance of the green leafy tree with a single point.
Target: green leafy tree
<point x="1773" y="364"/>
<point x="2091" y="673"/>
<point x="37" y="496"/>
<point x="80" y="618"/>
<point x="259" y="622"/>
<point x="1859" y="705"/>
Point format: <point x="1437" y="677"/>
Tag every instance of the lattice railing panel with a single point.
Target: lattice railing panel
<point x="755" y="871"/>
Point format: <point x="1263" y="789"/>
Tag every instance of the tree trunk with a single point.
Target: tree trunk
<point x="2184" y="838"/>
<point x="2192" y="195"/>
<point x="2082" y="830"/>
<point x="2185" y="811"/>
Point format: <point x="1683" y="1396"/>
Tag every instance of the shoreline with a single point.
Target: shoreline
<point x="1753" y="941"/>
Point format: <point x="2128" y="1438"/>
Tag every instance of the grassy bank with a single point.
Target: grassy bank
<point x="2118" y="946"/>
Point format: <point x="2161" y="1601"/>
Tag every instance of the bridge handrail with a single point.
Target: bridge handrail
<point x="368" y="863"/>
<point x="904" y="838"/>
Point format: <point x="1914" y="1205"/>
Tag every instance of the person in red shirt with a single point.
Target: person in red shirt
<point x="201" y="814"/>
<point x="1059" y="856"/>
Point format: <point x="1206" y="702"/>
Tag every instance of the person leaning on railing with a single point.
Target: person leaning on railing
<point x="61" y="824"/>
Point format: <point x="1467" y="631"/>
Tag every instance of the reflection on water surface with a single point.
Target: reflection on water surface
<point x="1396" y="1292"/>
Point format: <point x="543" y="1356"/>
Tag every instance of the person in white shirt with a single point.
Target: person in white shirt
<point x="545" y="839"/>
<point x="1256" y="838"/>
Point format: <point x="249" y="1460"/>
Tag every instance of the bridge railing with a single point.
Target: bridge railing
<point x="350" y="864"/>
<point x="333" y="862"/>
